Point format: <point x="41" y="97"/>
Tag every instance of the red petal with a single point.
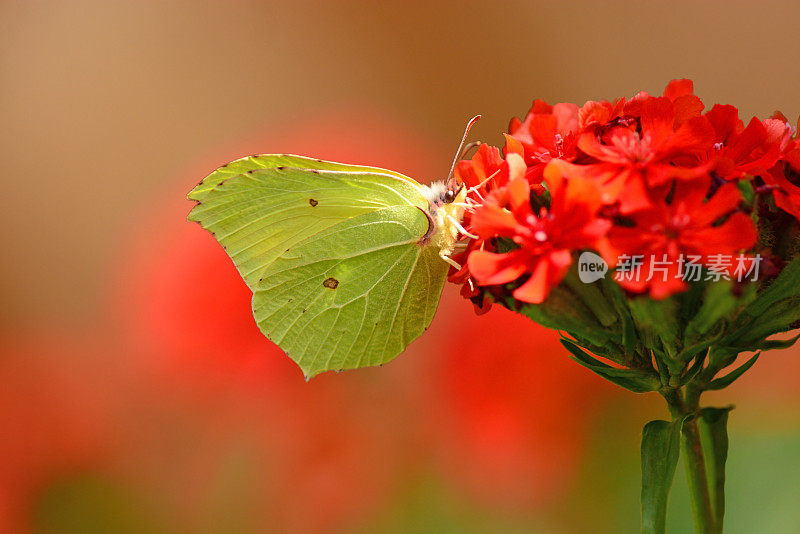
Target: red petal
<point x="567" y="117"/>
<point x="678" y="88"/>
<point x="489" y="221"/>
<point x="513" y="145"/>
<point x="725" y="120"/>
<point x="519" y="192"/>
<point x="489" y="268"/>
<point x="735" y="234"/>
<point x="635" y="195"/>
<point x="590" y="145"/>
<point x="633" y="107"/>
<point x="541" y="107"/>
<point x="687" y="107"/>
<point x="751" y="138"/>
<point x="543" y="130"/>
<point x="696" y="135"/>
<point x="594" y="114"/>
<point x="547" y="274"/>
<point x="724" y="201"/>
<point x="658" y="116"/>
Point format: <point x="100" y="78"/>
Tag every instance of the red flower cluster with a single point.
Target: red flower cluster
<point x="653" y="176"/>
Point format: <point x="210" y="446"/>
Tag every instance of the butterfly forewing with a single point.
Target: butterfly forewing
<point x="267" y="207"/>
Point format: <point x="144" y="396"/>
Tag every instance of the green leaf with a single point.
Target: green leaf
<point x="660" y="451"/>
<point x="785" y="286"/>
<point x="636" y="380"/>
<point x="712" y="423"/>
<point x="730" y="378"/>
<point x="771" y="344"/>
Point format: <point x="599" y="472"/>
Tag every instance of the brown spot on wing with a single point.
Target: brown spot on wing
<point x="331" y="283"/>
<point x="313" y="202"/>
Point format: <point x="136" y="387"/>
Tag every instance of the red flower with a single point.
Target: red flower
<point x="738" y="150"/>
<point x="683" y="226"/>
<point x="784" y="177"/>
<point x="631" y="166"/>
<point x="487" y="171"/>
<point x="791" y="152"/>
<point x="547" y="132"/>
<point x="596" y="114"/>
<point x="784" y="180"/>
<point x="680" y="93"/>
<point x="487" y="162"/>
<point x="546" y="239"/>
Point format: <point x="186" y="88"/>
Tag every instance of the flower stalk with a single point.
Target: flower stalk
<point x="683" y="409"/>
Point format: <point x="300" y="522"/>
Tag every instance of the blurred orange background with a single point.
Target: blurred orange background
<point x="136" y="393"/>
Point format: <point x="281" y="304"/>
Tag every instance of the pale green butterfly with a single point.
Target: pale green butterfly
<point x="346" y="262"/>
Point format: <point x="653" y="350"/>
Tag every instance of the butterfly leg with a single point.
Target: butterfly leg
<point x="461" y="228"/>
<point x="449" y="260"/>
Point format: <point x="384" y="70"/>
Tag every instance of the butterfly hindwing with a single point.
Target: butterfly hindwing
<point x="354" y="295"/>
<point x="331" y="252"/>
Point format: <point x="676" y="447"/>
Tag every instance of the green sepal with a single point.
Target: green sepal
<point x="730" y="378"/>
<point x="593" y="297"/>
<point x="693" y="370"/>
<point x="718" y="303"/>
<point x="660" y="452"/>
<point x="614" y="292"/>
<point x="750" y="331"/>
<point x="563" y="311"/>
<point x="720" y="356"/>
<point x="701" y="345"/>
<point x="636" y="380"/>
<point x="747" y="190"/>
<point x="787" y="285"/>
<point x="659" y="318"/>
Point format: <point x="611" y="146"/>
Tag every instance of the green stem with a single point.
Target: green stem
<point x="696" y="476"/>
<point x="682" y="408"/>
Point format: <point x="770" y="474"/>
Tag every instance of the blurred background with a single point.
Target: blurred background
<point x="137" y="395"/>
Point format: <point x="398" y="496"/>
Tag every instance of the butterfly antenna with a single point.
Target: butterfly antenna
<point x="459" y="152"/>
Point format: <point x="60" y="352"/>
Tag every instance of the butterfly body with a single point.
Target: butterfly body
<point x="445" y="208"/>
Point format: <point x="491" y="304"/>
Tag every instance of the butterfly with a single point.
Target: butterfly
<point x="346" y="262"/>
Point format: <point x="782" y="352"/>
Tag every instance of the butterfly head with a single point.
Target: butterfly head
<point x="441" y="193"/>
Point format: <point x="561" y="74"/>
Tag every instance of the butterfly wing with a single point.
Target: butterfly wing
<point x="259" y="206"/>
<point x="332" y="253"/>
